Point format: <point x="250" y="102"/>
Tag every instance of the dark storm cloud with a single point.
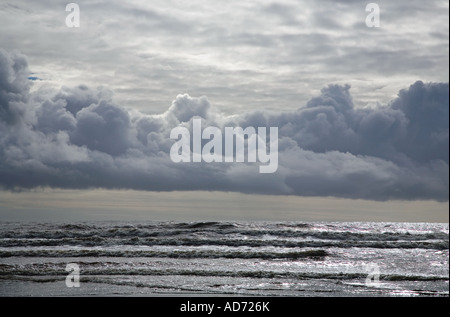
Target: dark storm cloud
<point x="80" y="138"/>
<point x="14" y="85"/>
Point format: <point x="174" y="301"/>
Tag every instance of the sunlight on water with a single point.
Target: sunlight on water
<point x="291" y="259"/>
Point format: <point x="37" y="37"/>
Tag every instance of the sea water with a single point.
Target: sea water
<point x="224" y="259"/>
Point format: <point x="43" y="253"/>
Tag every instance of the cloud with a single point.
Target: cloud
<point x="80" y="138"/>
<point x="262" y="54"/>
<point x="14" y="86"/>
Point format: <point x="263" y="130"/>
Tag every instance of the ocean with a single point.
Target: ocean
<point x="282" y="259"/>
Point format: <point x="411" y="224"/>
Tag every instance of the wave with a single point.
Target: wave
<point x="287" y="236"/>
<point x="219" y="229"/>
<point x="107" y="269"/>
<point x="212" y="225"/>
<point x="211" y="254"/>
<point x="93" y="241"/>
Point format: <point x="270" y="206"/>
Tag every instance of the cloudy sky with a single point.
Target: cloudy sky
<point x="362" y="113"/>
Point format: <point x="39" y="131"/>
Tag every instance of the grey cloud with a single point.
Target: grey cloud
<point x="14" y="86"/>
<point x="103" y="127"/>
<point x="81" y="97"/>
<point x="286" y="13"/>
<point x="426" y="107"/>
<point x="80" y="138"/>
<point x="248" y="53"/>
<point x="184" y="108"/>
<point x="53" y="117"/>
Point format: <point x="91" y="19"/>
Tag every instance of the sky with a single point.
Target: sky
<point x="362" y="112"/>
